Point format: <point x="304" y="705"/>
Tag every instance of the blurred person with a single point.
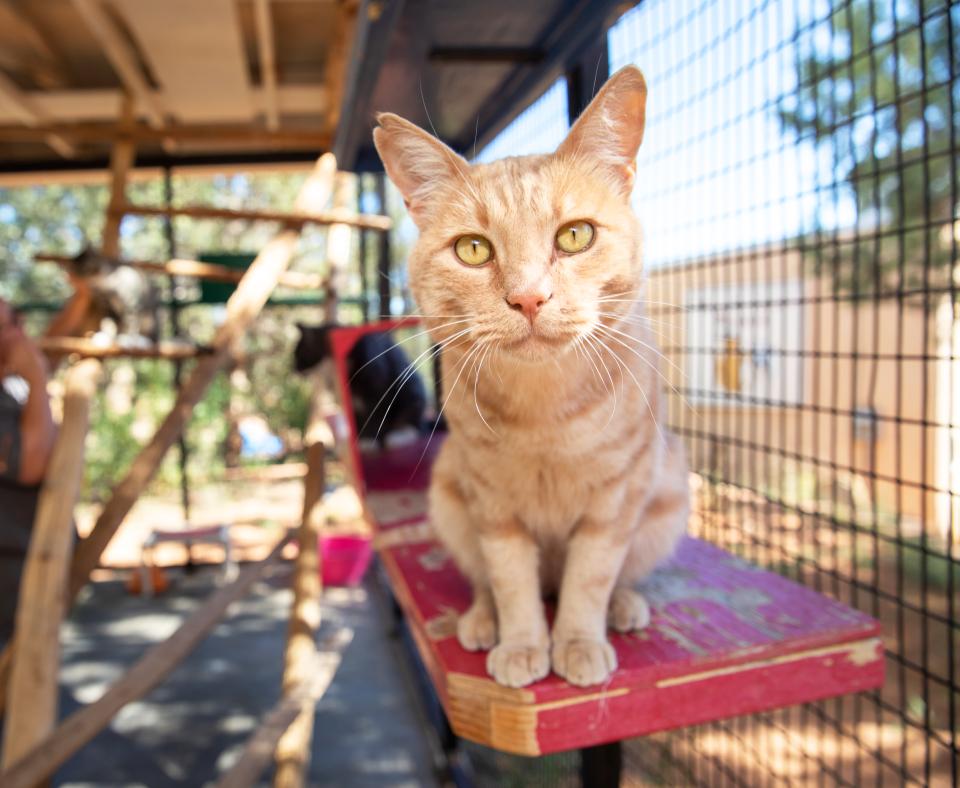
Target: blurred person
<point x="27" y="433"/>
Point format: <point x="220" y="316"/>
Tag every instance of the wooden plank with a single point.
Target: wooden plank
<point x="200" y="270"/>
<point x="339" y="245"/>
<point x="122" y="57"/>
<point x="81" y="726"/>
<point x="12" y="97"/>
<point x="88" y="348"/>
<point x="244" y="305"/>
<point x="294" y="99"/>
<point x="260" y="747"/>
<point x="195" y="53"/>
<point x="725" y="637"/>
<point x="42" y="601"/>
<point x="293" y="747"/>
<point x="293" y="218"/>
<point x="121" y="160"/>
<point x="337" y="59"/>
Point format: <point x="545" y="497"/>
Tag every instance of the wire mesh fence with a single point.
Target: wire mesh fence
<point x="798" y="186"/>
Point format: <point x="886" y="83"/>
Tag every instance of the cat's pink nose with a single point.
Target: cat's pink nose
<point x="528" y="303"/>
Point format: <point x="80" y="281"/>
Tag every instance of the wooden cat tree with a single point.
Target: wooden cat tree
<point x="35" y="745"/>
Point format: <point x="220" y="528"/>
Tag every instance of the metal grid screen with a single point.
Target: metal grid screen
<point x="798" y="186"/>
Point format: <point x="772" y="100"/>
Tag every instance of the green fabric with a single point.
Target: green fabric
<point x="219" y="292"/>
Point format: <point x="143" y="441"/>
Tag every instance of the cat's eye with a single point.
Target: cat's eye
<point x="574" y="237"/>
<point x="473" y="249"/>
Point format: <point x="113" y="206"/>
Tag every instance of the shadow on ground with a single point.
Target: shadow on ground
<point x="193" y="726"/>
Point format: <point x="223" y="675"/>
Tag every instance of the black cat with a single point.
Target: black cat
<point x="374" y="364"/>
<point x="118" y="294"/>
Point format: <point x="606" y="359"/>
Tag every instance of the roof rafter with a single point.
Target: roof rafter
<point x="122" y="57"/>
<point x="29" y="115"/>
<point x="268" y="61"/>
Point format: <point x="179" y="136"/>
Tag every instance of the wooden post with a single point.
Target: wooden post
<point x="259" y="748"/>
<point x="121" y="160"/>
<point x="339" y="238"/>
<point x="244" y="305"/>
<point x="293" y="750"/>
<point x="40" y="608"/>
<point x="83" y="725"/>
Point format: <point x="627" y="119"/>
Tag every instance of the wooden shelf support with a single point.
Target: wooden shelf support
<point x="35" y="652"/>
<point x="296" y="218"/>
<point x="212" y="272"/>
<point x="293" y="748"/>
<point x="83" y="725"/>
<point x="88" y="348"/>
<point x="244" y="305"/>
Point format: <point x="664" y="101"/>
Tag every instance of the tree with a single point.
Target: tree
<point x="874" y="90"/>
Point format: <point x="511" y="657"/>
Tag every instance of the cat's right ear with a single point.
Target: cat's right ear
<point x="610" y="130"/>
<point x="415" y="161"/>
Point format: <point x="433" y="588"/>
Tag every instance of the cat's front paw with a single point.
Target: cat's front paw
<point x="477" y="628"/>
<point x="518" y="664"/>
<point x="583" y="661"/>
<point x="628" y="610"/>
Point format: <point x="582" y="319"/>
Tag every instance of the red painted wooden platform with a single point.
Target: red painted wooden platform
<point x="725" y="637"/>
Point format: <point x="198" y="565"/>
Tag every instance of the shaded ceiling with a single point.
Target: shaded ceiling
<point x="234" y="81"/>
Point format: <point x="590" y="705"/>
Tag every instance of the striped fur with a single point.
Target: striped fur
<point x="557" y="477"/>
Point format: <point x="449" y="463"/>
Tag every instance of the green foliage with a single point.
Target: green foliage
<point x="137" y="395"/>
<point x="874" y="95"/>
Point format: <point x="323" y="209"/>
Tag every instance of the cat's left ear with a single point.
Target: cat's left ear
<point x="415" y="161"/>
<point x="610" y="130"/>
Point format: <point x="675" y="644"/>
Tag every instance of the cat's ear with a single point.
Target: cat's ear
<point x="415" y="161"/>
<point x="610" y="130"/>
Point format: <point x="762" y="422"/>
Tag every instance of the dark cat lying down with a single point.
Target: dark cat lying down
<point x="374" y="364"/>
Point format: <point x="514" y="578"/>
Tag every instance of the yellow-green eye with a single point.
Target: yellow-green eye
<point x="574" y="237"/>
<point x="473" y="249"/>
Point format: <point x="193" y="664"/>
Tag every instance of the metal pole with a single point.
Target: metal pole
<point x="183" y="455"/>
<point x="364" y="279"/>
<point x="383" y="263"/>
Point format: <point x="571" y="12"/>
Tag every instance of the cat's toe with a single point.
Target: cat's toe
<point x="477" y="629"/>
<point x="518" y="664"/>
<point x="628" y="610"/>
<point x="583" y="661"/>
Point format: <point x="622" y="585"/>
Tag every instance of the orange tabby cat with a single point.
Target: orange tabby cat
<point x="556" y="476"/>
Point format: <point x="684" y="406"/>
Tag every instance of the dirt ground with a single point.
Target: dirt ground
<point x="257" y="512"/>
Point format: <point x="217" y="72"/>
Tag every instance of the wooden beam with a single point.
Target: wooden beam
<point x="244" y="305"/>
<point x="121" y="160"/>
<point x="93" y="111"/>
<point x="371" y="45"/>
<point x="88" y="348"/>
<point x="212" y="272"/>
<point x="293" y="219"/>
<point x="263" y="20"/>
<point x="293" y="748"/>
<point x="122" y="57"/>
<point x="44" y="65"/>
<point x="339" y="245"/>
<point x="337" y="60"/>
<point x="41" y="605"/>
<point x="83" y="725"/>
<point x="195" y="52"/>
<point x="259" y="749"/>
<point x="12" y="97"/>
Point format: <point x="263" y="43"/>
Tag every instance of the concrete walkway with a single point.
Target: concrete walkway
<point x="192" y="727"/>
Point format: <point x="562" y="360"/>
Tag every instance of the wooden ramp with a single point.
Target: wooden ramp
<point x="725" y="638"/>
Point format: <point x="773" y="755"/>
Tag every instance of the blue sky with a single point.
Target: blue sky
<point x="716" y="172"/>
